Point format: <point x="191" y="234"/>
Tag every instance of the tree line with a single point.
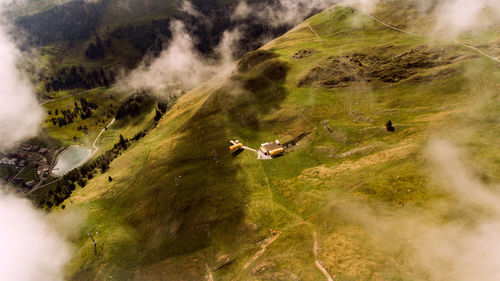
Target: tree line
<point x="134" y="105"/>
<point x="97" y="50"/>
<point x="79" y="78"/>
<point x="84" y="111"/>
<point x="71" y="21"/>
<point x="78" y="21"/>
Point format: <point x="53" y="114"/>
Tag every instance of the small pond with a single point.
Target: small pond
<point x="71" y="158"/>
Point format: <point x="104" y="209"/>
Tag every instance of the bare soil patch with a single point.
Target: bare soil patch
<point x="382" y="63"/>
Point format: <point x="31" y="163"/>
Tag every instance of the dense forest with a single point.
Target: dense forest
<point x="147" y="38"/>
<point x="79" y="78"/>
<point x="134" y="105"/>
<point x="78" y="21"/>
<point x="72" y="21"/>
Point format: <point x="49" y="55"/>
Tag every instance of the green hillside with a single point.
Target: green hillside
<point x="181" y="207"/>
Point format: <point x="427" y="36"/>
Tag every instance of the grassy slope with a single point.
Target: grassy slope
<point x="174" y="210"/>
<point x="65" y="134"/>
<point x="61" y="137"/>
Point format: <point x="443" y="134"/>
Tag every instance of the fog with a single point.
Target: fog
<point x="457" y="16"/>
<point x="282" y="12"/>
<point x="30" y="248"/>
<point x="452" y="17"/>
<point x="20" y="114"/>
<point x="181" y="64"/>
<point x="466" y="248"/>
<point x="451" y="239"/>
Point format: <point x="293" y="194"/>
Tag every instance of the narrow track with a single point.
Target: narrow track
<point x="68" y="96"/>
<point x="94" y="145"/>
<point x="313" y="31"/>
<point x="261" y="251"/>
<point x="209" y="275"/>
<point x="477" y="50"/>
<point x="414" y="34"/>
<point x="317" y="262"/>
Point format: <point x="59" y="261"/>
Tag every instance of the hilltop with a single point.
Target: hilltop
<point x="181" y="207"/>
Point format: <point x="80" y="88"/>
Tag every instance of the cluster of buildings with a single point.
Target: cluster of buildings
<point x="21" y="182"/>
<point x="20" y="158"/>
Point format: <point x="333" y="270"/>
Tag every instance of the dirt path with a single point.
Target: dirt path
<point x="17" y="174"/>
<point x="251" y="149"/>
<point x="313" y="31"/>
<point x="477" y="50"/>
<point x="414" y="34"/>
<point x="209" y="275"/>
<point x="317" y="262"/>
<point x="65" y="97"/>
<point x="94" y="145"/>
<point x="316" y="250"/>
<point x="393" y="27"/>
<point x="260" y="155"/>
<point x="262" y="250"/>
<point x="23" y="170"/>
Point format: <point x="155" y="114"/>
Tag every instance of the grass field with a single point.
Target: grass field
<point x="180" y="207"/>
<point x="100" y="117"/>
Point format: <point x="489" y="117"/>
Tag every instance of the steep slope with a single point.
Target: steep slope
<point x="180" y="207"/>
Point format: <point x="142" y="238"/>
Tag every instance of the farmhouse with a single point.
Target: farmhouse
<point x="272" y="148"/>
<point x="13" y="162"/>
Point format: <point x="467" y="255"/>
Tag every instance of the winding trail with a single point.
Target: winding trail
<point x="261" y="251"/>
<point x="392" y="26"/>
<point x="94" y="145"/>
<point x="414" y="34"/>
<point x="209" y="275"/>
<point x="313" y="31"/>
<point x="17" y="174"/>
<point x="477" y="50"/>
<point x="248" y="148"/>
<point x="68" y="96"/>
<point x="317" y="262"/>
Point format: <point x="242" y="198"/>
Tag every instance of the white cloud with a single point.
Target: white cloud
<point x="452" y="17"/>
<point x="457" y="250"/>
<point x="282" y="12"/>
<point x="20" y="114"/>
<point x="30" y="248"/>
<point x="181" y="63"/>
